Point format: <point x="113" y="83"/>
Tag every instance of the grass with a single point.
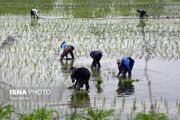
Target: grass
<point x="5" y="112"/>
<point x="150" y="116"/>
<point x="95" y="8"/>
<point x="24" y="10"/>
<point x="31" y="2"/>
<point x="90" y="113"/>
<point x="39" y="114"/>
<point x="22" y="7"/>
<point x="104" y="2"/>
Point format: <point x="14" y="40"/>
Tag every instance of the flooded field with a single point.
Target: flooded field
<point x="30" y="59"/>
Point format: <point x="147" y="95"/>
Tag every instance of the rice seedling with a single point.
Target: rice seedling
<point x="92" y="113"/>
<point x="39" y="114"/>
<point x="178" y="106"/>
<point x="143" y="104"/>
<point x="114" y="102"/>
<point x="94" y="101"/>
<point x="134" y="105"/>
<point x="5" y="112"/>
<point x="166" y="106"/>
<point x="103" y="102"/>
<point x="150" y="116"/>
<point x="123" y="103"/>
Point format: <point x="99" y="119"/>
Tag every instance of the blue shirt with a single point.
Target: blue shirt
<point x="126" y="63"/>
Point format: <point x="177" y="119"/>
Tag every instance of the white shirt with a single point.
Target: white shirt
<point x="35" y="11"/>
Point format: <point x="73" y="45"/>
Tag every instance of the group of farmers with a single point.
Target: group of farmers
<point x="80" y="76"/>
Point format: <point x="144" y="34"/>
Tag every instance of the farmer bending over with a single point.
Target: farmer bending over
<point x="125" y="65"/>
<point x="142" y="13"/>
<point x="80" y="76"/>
<point x="96" y="56"/>
<point x="34" y="13"/>
<point x="68" y="49"/>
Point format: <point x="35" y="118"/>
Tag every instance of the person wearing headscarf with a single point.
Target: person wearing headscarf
<point x="67" y="49"/>
<point x="125" y="65"/>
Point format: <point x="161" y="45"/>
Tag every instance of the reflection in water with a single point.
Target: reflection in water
<point x="34" y="22"/>
<point x="66" y="65"/>
<point x="125" y="87"/>
<point x="96" y="74"/>
<point x="148" y="49"/>
<point x="149" y="83"/>
<point x="141" y="24"/>
<point x="80" y="99"/>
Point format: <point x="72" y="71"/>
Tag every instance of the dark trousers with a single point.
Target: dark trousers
<point x="32" y="14"/>
<point x="66" y="51"/>
<point x="96" y="60"/>
<point x="80" y="83"/>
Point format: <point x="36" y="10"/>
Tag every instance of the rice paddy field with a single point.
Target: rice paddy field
<point x="29" y="51"/>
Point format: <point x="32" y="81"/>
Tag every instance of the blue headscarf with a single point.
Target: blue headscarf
<point x="64" y="45"/>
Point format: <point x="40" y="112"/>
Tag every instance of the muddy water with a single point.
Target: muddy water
<point x="33" y="61"/>
<point x="163" y="74"/>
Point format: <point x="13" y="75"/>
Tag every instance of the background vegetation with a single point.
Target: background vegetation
<point x="87" y="8"/>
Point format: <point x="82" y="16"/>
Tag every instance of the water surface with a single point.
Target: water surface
<point x="32" y="60"/>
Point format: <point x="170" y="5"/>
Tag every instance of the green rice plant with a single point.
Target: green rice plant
<point x="150" y="116"/>
<point x="156" y="106"/>
<point x="113" y="73"/>
<point x="98" y="80"/>
<point x="178" y="106"/>
<point x="134" y="105"/>
<point x="166" y="106"/>
<point x="99" y="114"/>
<point x="5" y="112"/>
<point x="91" y="114"/>
<point x="94" y="101"/>
<point x="143" y="104"/>
<point x="114" y="102"/>
<point x="80" y="99"/>
<point x="98" y="84"/>
<point x="39" y="114"/>
<point x="104" y="102"/>
<point x="76" y="116"/>
<point x="123" y="103"/>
